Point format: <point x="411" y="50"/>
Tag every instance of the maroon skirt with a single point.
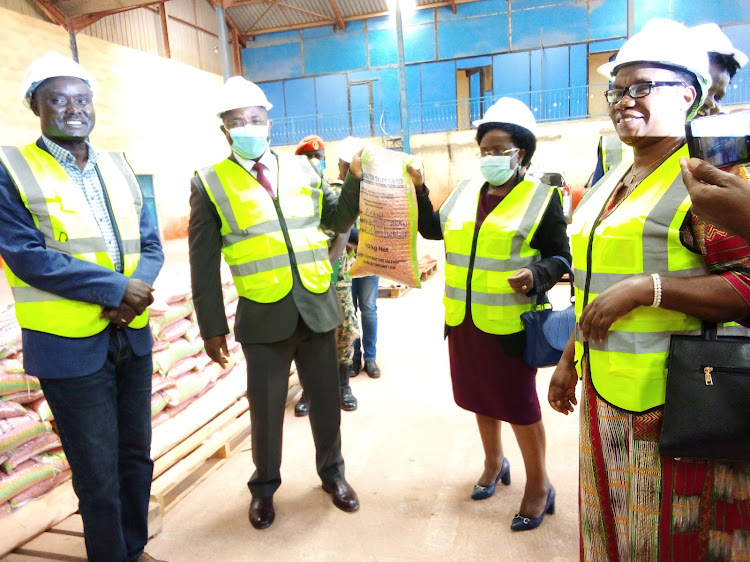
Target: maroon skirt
<point x="489" y="381"/>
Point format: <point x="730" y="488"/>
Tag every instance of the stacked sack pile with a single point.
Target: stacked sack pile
<point x="182" y="370"/>
<point x="32" y="461"/>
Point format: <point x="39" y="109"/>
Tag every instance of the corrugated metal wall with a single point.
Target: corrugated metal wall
<point x="192" y="28"/>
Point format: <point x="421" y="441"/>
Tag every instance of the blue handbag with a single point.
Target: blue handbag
<point x="548" y="330"/>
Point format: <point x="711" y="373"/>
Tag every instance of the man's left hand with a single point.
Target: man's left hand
<point x="614" y="303"/>
<point x="120" y="316"/>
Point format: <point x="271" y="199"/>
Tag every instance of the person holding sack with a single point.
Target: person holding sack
<point x="648" y="269"/>
<point x="503" y="236"/>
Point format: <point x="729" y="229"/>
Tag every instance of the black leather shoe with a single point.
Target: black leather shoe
<point x="372" y="369"/>
<point x="300" y="409"/>
<point x="348" y="401"/>
<point x="344" y="496"/>
<point x="355" y="368"/>
<point x="262" y="513"/>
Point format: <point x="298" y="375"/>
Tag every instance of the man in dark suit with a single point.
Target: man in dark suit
<point x="263" y="211"/>
<point x="81" y="254"/>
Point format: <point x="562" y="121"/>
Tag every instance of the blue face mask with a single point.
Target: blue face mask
<point x="249" y="141"/>
<point x="319" y="165"/>
<point x="496" y="169"/>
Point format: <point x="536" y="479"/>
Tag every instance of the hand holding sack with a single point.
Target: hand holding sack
<point x="388" y="218"/>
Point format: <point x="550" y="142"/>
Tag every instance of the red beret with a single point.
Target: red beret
<point x="309" y="143"/>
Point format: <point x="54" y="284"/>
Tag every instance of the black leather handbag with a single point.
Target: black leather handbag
<point x="548" y="330"/>
<point x="707" y="403"/>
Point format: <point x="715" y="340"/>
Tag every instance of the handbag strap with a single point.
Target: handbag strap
<point x="542" y="299"/>
<point x="709" y="330"/>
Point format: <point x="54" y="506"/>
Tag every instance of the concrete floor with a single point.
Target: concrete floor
<point x="412" y="455"/>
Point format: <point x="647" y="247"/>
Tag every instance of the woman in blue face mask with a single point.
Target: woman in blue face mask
<point x="501" y="233"/>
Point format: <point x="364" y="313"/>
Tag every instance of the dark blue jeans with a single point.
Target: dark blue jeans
<point x="365" y="297"/>
<point x="104" y="421"/>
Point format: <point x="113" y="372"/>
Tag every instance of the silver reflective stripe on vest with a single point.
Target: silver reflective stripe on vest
<point x="131" y="246"/>
<point x="487" y="299"/>
<point x="488" y="264"/>
<point x="450" y="202"/>
<point x="654" y="240"/>
<point x="529" y="219"/>
<point x="268" y="227"/>
<point x="638" y="343"/>
<point x="37" y="204"/>
<point x="126" y="171"/>
<point x="220" y="196"/>
<point x="275" y="262"/>
<point x="32" y="294"/>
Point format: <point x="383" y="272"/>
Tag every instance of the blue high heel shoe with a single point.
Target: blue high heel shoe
<point x="482" y="493"/>
<point x="521" y="523"/>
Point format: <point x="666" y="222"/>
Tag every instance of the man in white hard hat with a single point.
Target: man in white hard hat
<point x="264" y="212"/>
<point x="724" y="62"/>
<point x="82" y="253"/>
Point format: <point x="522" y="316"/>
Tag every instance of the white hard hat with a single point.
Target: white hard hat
<point x="349" y="147"/>
<point x="52" y="65"/>
<point x="665" y="43"/>
<point x="509" y="110"/>
<point x="238" y="92"/>
<point x="712" y="38"/>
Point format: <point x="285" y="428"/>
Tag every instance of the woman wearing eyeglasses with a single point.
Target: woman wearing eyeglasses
<point x="645" y="269"/>
<point x="501" y="233"/>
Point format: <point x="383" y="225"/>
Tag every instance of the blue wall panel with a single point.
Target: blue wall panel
<point x="338" y="53"/>
<point x="330" y="93"/>
<point x="389" y="89"/>
<point x="291" y="36"/>
<point x="419" y="43"/>
<point x="544" y="26"/>
<point x="275" y="93"/>
<point x="555" y="81"/>
<point x="578" y="81"/>
<point x="382" y="22"/>
<point x="525" y="4"/>
<point x="535" y="82"/>
<point x="473" y="62"/>
<point x="272" y="63"/>
<point x="300" y="97"/>
<point x="488" y="34"/>
<point x="413" y="98"/>
<point x="603" y="46"/>
<point x="438" y="86"/>
<point x="471" y="9"/>
<point x="608" y="18"/>
<point x="382" y="46"/>
<point x="510" y="75"/>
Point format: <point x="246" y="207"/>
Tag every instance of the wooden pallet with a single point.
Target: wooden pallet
<point x="65" y="540"/>
<point x="393" y="291"/>
<point x="427" y="271"/>
<point x="187" y="449"/>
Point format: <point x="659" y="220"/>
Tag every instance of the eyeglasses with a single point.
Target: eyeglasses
<point x="637" y="90"/>
<point x="496" y="152"/>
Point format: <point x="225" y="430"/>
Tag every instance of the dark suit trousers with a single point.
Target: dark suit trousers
<point x="267" y="386"/>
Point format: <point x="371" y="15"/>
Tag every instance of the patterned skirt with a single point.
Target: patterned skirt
<point x="637" y="505"/>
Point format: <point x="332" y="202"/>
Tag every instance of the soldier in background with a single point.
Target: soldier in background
<point x="313" y="147"/>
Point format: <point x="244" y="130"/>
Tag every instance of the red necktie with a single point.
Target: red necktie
<point x="262" y="179"/>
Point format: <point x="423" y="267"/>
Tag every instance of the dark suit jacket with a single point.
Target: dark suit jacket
<point x="23" y="248"/>
<point x="260" y="322"/>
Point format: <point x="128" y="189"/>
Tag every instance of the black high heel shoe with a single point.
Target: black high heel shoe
<point x="482" y="492"/>
<point x="521" y="523"/>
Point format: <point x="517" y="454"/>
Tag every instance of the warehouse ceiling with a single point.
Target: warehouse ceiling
<point x="249" y="17"/>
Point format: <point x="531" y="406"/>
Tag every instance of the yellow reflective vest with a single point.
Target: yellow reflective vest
<point x="62" y="213"/>
<point x="478" y="264"/>
<point x="641" y="236"/>
<point x="263" y="237"/>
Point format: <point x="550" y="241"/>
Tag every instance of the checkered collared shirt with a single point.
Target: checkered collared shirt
<point x="88" y="181"/>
